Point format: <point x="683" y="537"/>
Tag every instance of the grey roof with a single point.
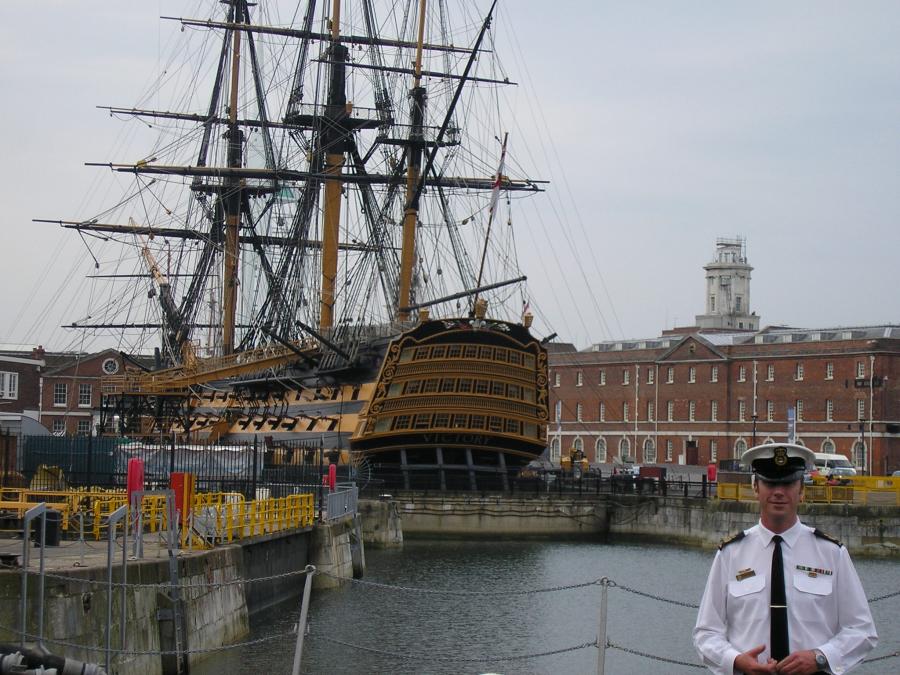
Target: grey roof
<point x="771" y="334"/>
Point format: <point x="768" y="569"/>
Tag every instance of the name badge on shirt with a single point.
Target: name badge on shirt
<point x="814" y="571"/>
<point x="744" y="574"/>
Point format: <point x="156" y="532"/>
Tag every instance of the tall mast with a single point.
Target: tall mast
<point x="233" y="195"/>
<point x="414" y="167"/>
<point x="333" y="143"/>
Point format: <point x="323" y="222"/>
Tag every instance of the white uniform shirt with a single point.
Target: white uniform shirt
<point x="827" y="608"/>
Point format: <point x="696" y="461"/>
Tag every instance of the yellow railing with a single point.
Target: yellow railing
<point x="861" y="490"/>
<point x="234" y="517"/>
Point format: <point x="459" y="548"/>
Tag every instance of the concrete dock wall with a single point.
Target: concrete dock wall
<point x="501" y="516"/>
<point x="75" y="610"/>
<point x="381" y="523"/>
<point x="866" y="531"/>
<point x="216" y="613"/>
<point x="270" y="556"/>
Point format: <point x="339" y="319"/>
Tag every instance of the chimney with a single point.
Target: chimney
<point x="37" y="352"/>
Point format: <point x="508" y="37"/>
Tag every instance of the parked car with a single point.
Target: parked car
<point x="833" y="464"/>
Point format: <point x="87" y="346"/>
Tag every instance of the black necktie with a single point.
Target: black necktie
<point x="778" y="624"/>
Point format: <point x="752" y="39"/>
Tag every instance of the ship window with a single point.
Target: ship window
<point x="515" y="358"/>
<point x="529" y="360"/>
<point x="448" y="384"/>
<point x="395" y="389"/>
<point x="438" y="352"/>
<point x="529" y="395"/>
<point x="422" y="421"/>
<point x="496" y="424"/>
<point x="471" y="351"/>
<point x="512" y="426"/>
<point x="431" y="385"/>
<point x="478" y="421"/>
<point x="481" y="386"/>
<point x="498" y="389"/>
<point x="454" y="351"/>
<point x="529" y="430"/>
<point x="465" y="385"/>
<point x="401" y="422"/>
<point x="382" y="425"/>
<point x="515" y="392"/>
<point x="459" y="421"/>
<point x="441" y="420"/>
<point x="486" y="353"/>
<point x="502" y="355"/>
<point x="420" y="353"/>
<point x="406" y="355"/>
<point x="413" y="387"/>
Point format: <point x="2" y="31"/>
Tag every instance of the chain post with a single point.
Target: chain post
<point x="601" y="633"/>
<point x="301" y="623"/>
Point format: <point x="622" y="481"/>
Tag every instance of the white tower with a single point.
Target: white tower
<point x="728" y="288"/>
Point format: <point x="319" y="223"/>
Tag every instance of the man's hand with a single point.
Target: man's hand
<point x="798" y="663"/>
<point x="748" y="662"/>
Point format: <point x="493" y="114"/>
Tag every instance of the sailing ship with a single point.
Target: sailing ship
<point x="321" y="236"/>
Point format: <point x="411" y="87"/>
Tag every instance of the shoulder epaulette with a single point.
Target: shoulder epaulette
<point x="828" y="537"/>
<point x="730" y="540"/>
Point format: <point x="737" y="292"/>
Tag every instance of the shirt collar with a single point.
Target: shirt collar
<point x="789" y="536"/>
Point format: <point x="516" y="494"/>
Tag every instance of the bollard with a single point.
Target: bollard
<point x="111" y="523"/>
<point x="31" y="514"/>
<point x="301" y="623"/>
<point x="601" y="633"/>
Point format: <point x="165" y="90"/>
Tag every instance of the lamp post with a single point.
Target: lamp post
<point x="753" y="434"/>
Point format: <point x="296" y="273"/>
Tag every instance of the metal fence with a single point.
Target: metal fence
<point x="255" y="468"/>
<point x="342" y="501"/>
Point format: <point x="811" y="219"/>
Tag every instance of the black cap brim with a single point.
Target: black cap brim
<point x="782" y="478"/>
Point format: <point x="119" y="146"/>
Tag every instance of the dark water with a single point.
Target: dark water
<point x="405" y="631"/>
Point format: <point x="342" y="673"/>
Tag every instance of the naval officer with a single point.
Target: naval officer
<point x="782" y="597"/>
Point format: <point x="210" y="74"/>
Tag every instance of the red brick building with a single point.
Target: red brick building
<point x="20" y="377"/>
<point x="70" y="392"/>
<point x="699" y="397"/>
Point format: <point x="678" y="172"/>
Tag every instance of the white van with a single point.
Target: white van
<point x="833" y="464"/>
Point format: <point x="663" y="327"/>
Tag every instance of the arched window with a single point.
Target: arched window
<point x="859" y="454"/>
<point x="828" y="446"/>
<point x="740" y="447"/>
<point x="799" y="441"/>
<point x="600" y="450"/>
<point x="649" y="451"/>
<point x="624" y="448"/>
<point x="578" y="444"/>
<point x="768" y="440"/>
<point x="554" y="449"/>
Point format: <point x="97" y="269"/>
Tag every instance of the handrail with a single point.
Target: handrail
<point x="860" y="490"/>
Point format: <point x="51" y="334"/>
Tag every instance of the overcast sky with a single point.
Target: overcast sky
<point x="668" y="124"/>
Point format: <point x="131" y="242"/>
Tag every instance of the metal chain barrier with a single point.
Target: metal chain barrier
<point x="653" y="657"/>
<point x="878" y="598"/>
<point x="883" y="657"/>
<point x="437" y="591"/>
<point x="455" y="659"/>
<point x="659" y="598"/>
<point x="408" y="589"/>
<point x="165" y="585"/>
<point x="158" y="652"/>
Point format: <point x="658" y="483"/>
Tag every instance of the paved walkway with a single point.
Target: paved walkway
<point x="73" y="555"/>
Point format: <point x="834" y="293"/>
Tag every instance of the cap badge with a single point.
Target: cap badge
<point x="781" y="457"/>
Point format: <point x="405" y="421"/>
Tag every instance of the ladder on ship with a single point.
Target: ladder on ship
<point x="348" y="342"/>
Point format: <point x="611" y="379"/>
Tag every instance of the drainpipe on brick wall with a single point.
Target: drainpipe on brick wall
<point x="871" y="453"/>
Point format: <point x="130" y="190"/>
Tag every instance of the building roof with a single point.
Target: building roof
<point x="767" y="335"/>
